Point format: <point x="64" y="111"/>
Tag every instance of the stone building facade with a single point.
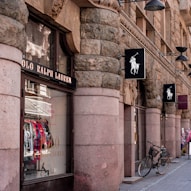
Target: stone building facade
<point x="106" y="119"/>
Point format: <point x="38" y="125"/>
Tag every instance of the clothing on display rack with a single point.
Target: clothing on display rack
<point x="37" y="137"/>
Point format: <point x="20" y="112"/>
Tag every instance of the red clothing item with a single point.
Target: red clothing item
<point x="42" y="134"/>
<point x="39" y="138"/>
<point x="37" y="141"/>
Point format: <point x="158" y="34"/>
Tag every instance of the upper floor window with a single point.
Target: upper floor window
<point x="45" y="46"/>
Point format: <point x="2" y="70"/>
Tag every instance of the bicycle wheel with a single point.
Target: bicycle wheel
<point x="145" y="166"/>
<point x="163" y="164"/>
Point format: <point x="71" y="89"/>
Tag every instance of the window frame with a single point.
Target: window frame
<point x="60" y="38"/>
<point x="25" y="76"/>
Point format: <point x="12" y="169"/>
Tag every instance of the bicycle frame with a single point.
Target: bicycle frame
<point x="157" y="157"/>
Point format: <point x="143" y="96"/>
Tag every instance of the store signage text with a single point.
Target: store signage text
<point x="41" y="70"/>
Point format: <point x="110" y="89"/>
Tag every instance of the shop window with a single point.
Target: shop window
<point x="47" y="144"/>
<point x="46" y="117"/>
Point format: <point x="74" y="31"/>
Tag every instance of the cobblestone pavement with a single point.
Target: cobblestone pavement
<point x="178" y="178"/>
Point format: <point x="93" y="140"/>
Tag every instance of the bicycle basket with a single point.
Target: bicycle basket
<point x="164" y="152"/>
<point x="153" y="152"/>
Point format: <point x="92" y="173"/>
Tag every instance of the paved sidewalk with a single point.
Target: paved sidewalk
<point x="178" y="178"/>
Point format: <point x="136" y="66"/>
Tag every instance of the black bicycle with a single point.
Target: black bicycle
<point x="158" y="158"/>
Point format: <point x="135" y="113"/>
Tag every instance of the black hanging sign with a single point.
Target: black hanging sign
<point x="135" y="63"/>
<point x="169" y="93"/>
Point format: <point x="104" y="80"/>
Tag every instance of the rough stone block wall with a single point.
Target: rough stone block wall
<point x="96" y="65"/>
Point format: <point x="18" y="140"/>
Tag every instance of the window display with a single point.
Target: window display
<point x="47" y="145"/>
<point x="39" y="38"/>
<point x="42" y="44"/>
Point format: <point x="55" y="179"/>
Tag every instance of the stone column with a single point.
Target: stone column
<point x="170" y="135"/>
<point x="129" y="142"/>
<point x="153" y="126"/>
<point x="178" y="135"/>
<point x="98" y="163"/>
<point x="13" y="17"/>
<point x="185" y="123"/>
<point x="121" y="136"/>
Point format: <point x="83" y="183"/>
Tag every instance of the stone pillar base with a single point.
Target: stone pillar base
<point x="178" y="135"/>
<point x="97" y="143"/>
<point x="170" y="135"/>
<point x="153" y="126"/>
<point x="129" y="142"/>
<point x="10" y="78"/>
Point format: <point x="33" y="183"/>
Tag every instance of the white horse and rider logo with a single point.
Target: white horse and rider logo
<point x="169" y="93"/>
<point x="134" y="65"/>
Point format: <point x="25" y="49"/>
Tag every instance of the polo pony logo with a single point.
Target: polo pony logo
<point x="169" y="93"/>
<point x="134" y="65"/>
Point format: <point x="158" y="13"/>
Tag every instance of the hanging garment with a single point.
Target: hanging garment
<point x="28" y="139"/>
<point x="48" y="135"/>
<point x="37" y="141"/>
<point x="42" y="135"/>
